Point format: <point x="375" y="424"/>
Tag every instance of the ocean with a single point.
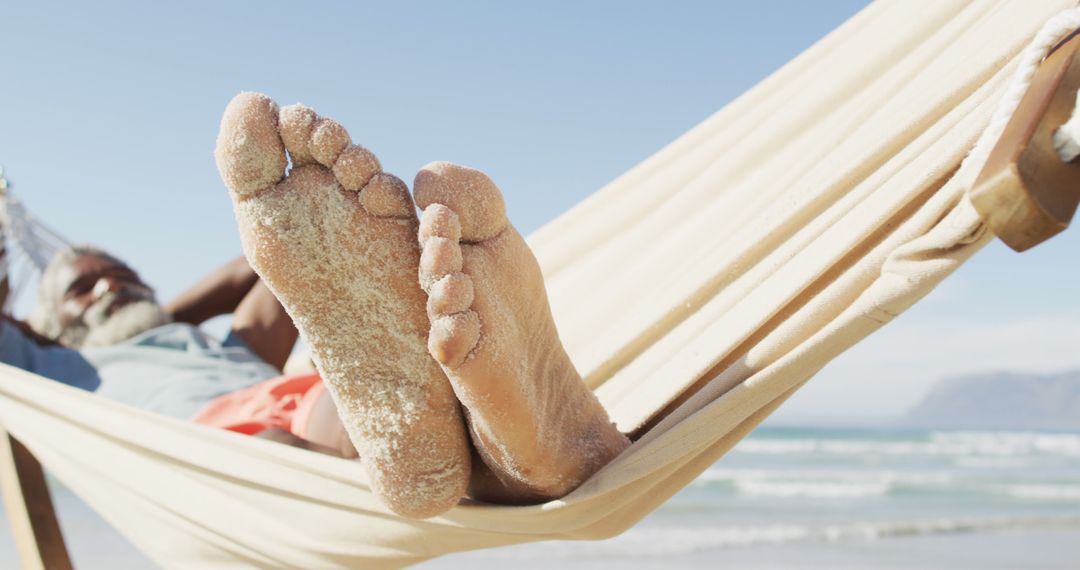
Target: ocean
<point x="791" y="497"/>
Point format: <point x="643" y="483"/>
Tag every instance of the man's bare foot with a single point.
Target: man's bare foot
<point x="335" y="240"/>
<point x="534" y="423"/>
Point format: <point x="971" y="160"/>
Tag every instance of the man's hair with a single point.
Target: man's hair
<point x="45" y="318"/>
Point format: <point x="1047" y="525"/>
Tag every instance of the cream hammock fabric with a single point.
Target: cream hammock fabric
<point x="738" y="261"/>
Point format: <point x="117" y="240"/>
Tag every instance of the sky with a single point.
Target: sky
<point x="109" y="111"/>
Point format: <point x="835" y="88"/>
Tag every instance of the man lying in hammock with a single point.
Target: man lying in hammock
<point x="336" y="241"/>
<point x="97" y="326"/>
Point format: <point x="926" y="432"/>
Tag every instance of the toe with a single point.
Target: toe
<point x="328" y="140"/>
<point x="387" y="196"/>
<point x="453" y="337"/>
<point x="295" y="124"/>
<point x="468" y="192"/>
<point x="249" y="153"/>
<point x="439" y="258"/>
<point x="439" y="221"/>
<point x="451" y="294"/>
<point x="355" y="167"/>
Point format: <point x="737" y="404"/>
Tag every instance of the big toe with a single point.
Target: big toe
<point x="249" y="153"/>
<point x="469" y="193"/>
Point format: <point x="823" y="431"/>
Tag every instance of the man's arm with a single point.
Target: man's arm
<point x="219" y="293"/>
<point x="258" y="319"/>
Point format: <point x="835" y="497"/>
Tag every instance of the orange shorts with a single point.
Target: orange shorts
<point x="284" y="402"/>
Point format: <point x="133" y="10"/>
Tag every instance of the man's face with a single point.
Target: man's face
<point x="103" y="302"/>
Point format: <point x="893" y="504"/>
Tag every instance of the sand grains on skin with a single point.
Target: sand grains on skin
<point x="537" y="428"/>
<point x="335" y="241"/>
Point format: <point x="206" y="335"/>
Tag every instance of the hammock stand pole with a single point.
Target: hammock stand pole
<point x="1027" y="193"/>
<point x="38" y="538"/>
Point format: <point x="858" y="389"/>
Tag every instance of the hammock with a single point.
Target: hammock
<point x="695" y="294"/>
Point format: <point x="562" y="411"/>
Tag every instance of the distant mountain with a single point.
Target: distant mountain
<point x="1001" y="400"/>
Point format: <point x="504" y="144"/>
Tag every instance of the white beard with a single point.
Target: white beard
<point x="99" y="329"/>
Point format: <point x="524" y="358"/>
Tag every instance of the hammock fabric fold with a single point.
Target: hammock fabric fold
<point x="695" y="294"/>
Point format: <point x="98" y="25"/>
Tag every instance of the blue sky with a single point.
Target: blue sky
<point x="110" y="109"/>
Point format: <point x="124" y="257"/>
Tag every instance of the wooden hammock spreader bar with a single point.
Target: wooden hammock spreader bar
<point x="38" y="539"/>
<point x="1026" y="193"/>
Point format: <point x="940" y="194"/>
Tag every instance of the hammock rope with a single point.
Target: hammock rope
<point x="29" y="244"/>
<point x="1056" y="30"/>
